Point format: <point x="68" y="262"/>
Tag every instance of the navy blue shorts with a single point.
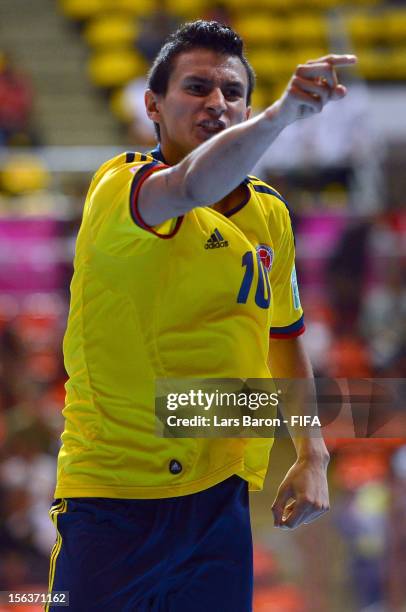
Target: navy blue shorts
<point x="181" y="554"/>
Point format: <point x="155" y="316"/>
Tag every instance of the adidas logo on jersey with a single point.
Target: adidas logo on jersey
<point x="216" y="241"/>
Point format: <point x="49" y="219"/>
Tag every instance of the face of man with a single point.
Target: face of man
<point x="206" y="93"/>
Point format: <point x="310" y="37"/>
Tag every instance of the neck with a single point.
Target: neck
<point x="170" y="155"/>
<point x="230" y="201"/>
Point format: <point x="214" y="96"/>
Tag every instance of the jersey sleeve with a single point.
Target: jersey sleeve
<point x="112" y="207"/>
<point x="287" y="315"/>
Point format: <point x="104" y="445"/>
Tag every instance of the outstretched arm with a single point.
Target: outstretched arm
<point x="303" y="494"/>
<point x="217" y="166"/>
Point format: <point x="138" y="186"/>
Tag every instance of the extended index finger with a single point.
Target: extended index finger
<point x="336" y="60"/>
<point x="318" y="70"/>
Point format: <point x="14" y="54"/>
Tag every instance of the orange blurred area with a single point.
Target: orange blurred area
<point x="354" y="468"/>
<point x="283" y="598"/>
<point x="22" y="608"/>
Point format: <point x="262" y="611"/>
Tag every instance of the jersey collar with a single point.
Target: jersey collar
<point x="157" y="154"/>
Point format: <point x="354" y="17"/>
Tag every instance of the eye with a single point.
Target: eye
<point x="233" y="93"/>
<point x="196" y="88"/>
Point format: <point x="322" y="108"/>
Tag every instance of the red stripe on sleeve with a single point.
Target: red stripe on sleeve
<point x="293" y="334"/>
<point x="136" y="213"/>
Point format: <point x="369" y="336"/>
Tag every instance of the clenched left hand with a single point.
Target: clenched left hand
<point x="303" y="494"/>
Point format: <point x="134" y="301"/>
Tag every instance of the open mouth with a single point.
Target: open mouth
<point x="211" y="126"/>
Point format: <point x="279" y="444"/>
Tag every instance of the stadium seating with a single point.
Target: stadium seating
<point x="79" y="10"/>
<point x="115" y="67"/>
<point x="278" y="35"/>
<point x="272" y="66"/>
<point x="365" y="29"/>
<point x="307" y="29"/>
<point x="117" y="105"/>
<point x="394" y="24"/>
<point x="372" y="64"/>
<point x="23" y="173"/>
<point x="186" y="9"/>
<point x="261" y="29"/>
<point x="110" y="31"/>
<point x="131" y="7"/>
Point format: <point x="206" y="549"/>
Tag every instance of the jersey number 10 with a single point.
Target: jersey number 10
<point x="263" y="291"/>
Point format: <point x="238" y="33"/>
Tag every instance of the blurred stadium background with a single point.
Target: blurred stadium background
<point x="72" y="73"/>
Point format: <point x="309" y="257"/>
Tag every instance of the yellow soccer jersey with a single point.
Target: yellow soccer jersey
<point x="195" y="297"/>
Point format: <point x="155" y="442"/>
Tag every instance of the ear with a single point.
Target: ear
<point x="151" y="105"/>
<point x="248" y="112"/>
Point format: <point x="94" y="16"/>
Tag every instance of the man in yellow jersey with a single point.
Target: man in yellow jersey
<point x="184" y="268"/>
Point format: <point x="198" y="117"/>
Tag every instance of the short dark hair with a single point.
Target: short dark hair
<point x="198" y="34"/>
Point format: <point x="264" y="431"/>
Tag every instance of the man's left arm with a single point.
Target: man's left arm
<point x="303" y="494"/>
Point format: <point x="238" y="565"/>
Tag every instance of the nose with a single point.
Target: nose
<point x="215" y="102"/>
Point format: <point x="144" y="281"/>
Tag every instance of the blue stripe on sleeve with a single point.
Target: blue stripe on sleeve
<point x="289" y="329"/>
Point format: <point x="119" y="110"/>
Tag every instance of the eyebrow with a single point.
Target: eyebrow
<point x="204" y="81"/>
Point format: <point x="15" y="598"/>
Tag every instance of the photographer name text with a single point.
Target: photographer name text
<point x="242" y="421"/>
